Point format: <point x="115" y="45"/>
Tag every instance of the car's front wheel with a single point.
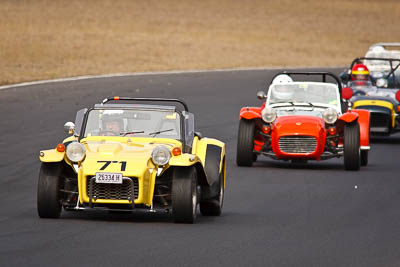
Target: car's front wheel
<point x="245" y="143"/>
<point x="48" y="194"/>
<point x="184" y="194"/>
<point x="351" y="143"/>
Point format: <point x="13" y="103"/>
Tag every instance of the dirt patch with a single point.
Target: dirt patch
<point x="46" y="39"/>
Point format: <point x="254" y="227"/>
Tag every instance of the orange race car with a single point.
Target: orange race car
<point x="304" y="120"/>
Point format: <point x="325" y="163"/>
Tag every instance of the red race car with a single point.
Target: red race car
<point x="304" y="120"/>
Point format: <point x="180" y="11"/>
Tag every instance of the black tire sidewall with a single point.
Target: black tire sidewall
<point x="213" y="207"/>
<point x="351" y="143"/>
<point x="184" y="185"/>
<point x="48" y="194"/>
<point x="245" y="143"/>
<point x="364" y="157"/>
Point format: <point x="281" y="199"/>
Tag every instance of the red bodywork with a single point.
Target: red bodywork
<point x="363" y="121"/>
<point x="310" y="126"/>
<point x="298" y="126"/>
<point x="250" y="113"/>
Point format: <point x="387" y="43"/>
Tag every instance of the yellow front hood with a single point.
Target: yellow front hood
<point x="129" y="156"/>
<point x="373" y="102"/>
<point x="122" y="155"/>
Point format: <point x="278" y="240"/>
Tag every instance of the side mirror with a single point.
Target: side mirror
<point x="347" y="93"/>
<point x="69" y="127"/>
<point x="261" y="95"/>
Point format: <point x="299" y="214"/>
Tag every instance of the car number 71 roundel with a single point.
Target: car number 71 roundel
<point x="108" y="178"/>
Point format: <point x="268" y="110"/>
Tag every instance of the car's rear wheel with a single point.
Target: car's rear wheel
<point x="352" y="152"/>
<point x="213" y="207"/>
<point x="48" y="194"/>
<point x="364" y="157"/>
<point x="245" y="144"/>
<point x="184" y="194"/>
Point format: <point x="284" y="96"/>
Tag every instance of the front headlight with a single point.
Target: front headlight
<point x="329" y="115"/>
<point x="75" y="152"/>
<point x="381" y="82"/>
<point x="160" y="155"/>
<point x="268" y="114"/>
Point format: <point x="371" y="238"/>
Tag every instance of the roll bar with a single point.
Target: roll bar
<point x="314" y="73"/>
<point x="123" y="98"/>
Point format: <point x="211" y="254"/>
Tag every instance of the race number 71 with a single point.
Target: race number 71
<point x="107" y="163"/>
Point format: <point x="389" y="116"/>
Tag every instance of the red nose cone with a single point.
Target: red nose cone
<point x="347" y="93"/>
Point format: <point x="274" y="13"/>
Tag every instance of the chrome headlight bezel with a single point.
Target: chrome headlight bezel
<point x="160" y="155"/>
<point x="330" y="115"/>
<point x="268" y="114"/>
<point x="381" y="82"/>
<point x="75" y="152"/>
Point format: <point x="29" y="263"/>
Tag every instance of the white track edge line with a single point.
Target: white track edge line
<point x="148" y="73"/>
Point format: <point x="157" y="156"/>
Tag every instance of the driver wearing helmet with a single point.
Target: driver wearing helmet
<point x="359" y="72"/>
<point x="112" y="125"/>
<point x="282" y="92"/>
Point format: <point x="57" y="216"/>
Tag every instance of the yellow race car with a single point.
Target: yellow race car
<point x="133" y="156"/>
<point x="380" y="93"/>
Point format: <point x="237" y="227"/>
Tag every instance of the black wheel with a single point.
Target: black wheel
<point x="245" y="144"/>
<point x="364" y="157"/>
<point x="48" y="194"/>
<point x="213" y="207"/>
<point x="184" y="194"/>
<point x="352" y="157"/>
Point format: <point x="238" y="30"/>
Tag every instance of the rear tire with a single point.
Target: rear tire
<point x="184" y="194"/>
<point x="213" y="207"/>
<point x="48" y="194"/>
<point x="352" y="152"/>
<point x="364" y="157"/>
<point x="245" y="144"/>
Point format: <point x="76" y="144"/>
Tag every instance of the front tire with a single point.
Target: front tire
<point x="184" y="194"/>
<point x="213" y="207"/>
<point x="48" y="194"/>
<point x="245" y="144"/>
<point x="352" y="158"/>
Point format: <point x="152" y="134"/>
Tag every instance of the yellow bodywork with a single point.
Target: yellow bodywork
<point x="381" y="103"/>
<point x="136" y="152"/>
<point x="51" y="155"/>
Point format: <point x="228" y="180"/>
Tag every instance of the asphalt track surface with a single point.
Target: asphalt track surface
<point x="275" y="213"/>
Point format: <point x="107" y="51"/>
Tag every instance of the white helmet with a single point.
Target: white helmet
<point x="282" y="78"/>
<point x="280" y="91"/>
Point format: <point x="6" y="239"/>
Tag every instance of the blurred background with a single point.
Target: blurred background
<point x="47" y="39"/>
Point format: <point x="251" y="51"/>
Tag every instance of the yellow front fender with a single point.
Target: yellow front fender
<point x="51" y="155"/>
<point x="200" y="149"/>
<point x="184" y="160"/>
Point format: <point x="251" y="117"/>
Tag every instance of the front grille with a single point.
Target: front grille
<point x="296" y="144"/>
<point x="379" y="119"/>
<point x="124" y="191"/>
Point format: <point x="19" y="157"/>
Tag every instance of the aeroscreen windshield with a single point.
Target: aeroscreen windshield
<point x="303" y="93"/>
<point x="133" y="123"/>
